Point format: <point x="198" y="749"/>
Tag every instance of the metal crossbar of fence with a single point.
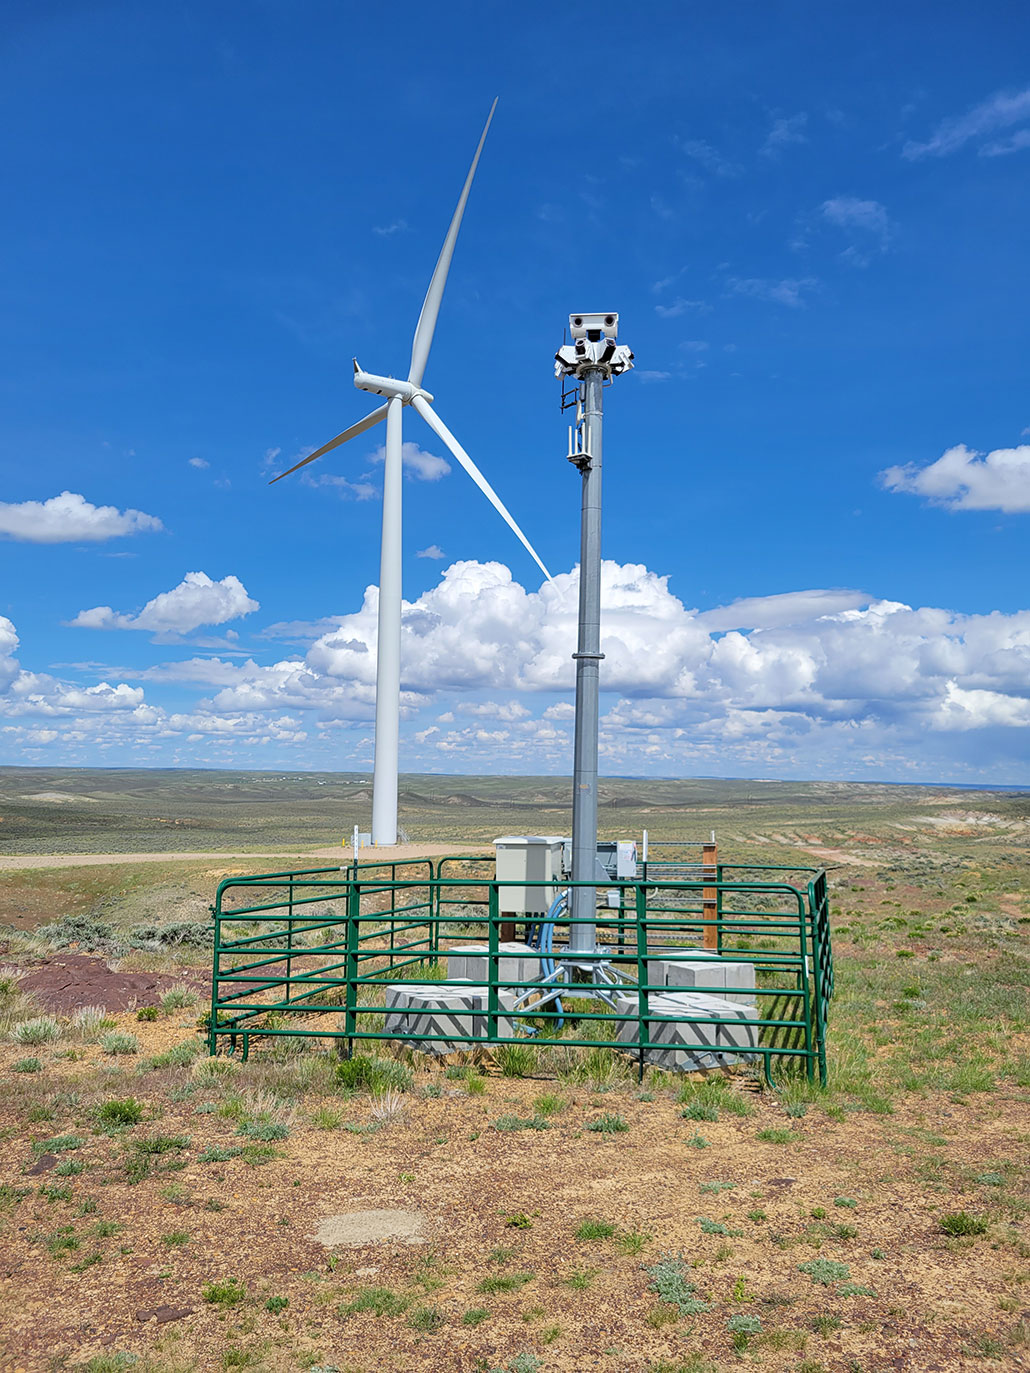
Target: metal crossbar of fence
<point x="365" y="953"/>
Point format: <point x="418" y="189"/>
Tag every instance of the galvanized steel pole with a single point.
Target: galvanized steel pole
<point x="583" y="937"/>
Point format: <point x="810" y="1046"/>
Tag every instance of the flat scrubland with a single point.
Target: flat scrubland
<point x="164" y="1211"/>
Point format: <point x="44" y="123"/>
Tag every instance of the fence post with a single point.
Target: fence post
<point x="351" y="993"/>
<point x="289" y="945"/>
<point x="493" y="964"/>
<point x="712" y="938"/>
<point x="643" y="1025"/>
<point x="212" y="1028"/>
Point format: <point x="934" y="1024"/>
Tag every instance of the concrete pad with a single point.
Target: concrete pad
<point x="682" y="1044"/>
<point x="370" y="1227"/>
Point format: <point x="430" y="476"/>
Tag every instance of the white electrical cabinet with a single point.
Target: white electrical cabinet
<point x="527" y="859"/>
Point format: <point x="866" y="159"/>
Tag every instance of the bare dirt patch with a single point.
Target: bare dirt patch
<point x="65" y="982"/>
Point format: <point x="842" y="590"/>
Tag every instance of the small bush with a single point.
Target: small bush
<point x="128" y="1111"/>
<point x="374" y="1074"/>
<point x="608" y="1125"/>
<point x="147" y="1013"/>
<point x="475" y="1315"/>
<point x="962" y="1223"/>
<point x="825" y="1271"/>
<point x="743" y="1324"/>
<point x="381" y="1301"/>
<point x="118" y="1042"/>
<point x="595" y="1230"/>
<point x="504" y="1282"/>
<point x="215" y="1154"/>
<point x="548" y="1105"/>
<point x="178" y="997"/>
<point x="91" y="935"/>
<point x="670" y="1281"/>
<point x="700" y="1111"/>
<point x="62" y="1241"/>
<point x="521" y="1123"/>
<point x="776" y="1136"/>
<point x="266" y="1130"/>
<point x="182" y="1055"/>
<point x="277" y="1304"/>
<point x="59" y="1144"/>
<point x="426" y="1318"/>
<point x="43" y="1029"/>
<point x="845" y="1201"/>
<point x="162" y="1144"/>
<point x="88" y="1021"/>
<point x="194" y="934"/>
<point x="69" y="1168"/>
<point x="56" y="1193"/>
<point x="230" y="1292"/>
<point x="175" y="1239"/>
<point x="715" y="1227"/>
<point x="521" y="1363"/>
<point x="257" y="1155"/>
<point x="26" y="1065"/>
<point x="516" y="1060"/>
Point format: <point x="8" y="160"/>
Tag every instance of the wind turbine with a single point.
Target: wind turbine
<point x="399" y="394"/>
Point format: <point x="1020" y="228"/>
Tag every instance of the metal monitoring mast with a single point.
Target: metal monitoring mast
<point x="591" y="360"/>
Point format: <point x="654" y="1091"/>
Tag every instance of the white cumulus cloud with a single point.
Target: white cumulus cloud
<point x="417" y="463"/>
<point x="196" y="601"/>
<point x="963" y="479"/>
<point x="70" y="518"/>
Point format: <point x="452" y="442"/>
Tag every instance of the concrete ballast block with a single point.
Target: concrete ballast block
<point x="518" y="963"/>
<point x="732" y="979"/>
<point x="441" y="1013"/>
<point x="681" y="1043"/>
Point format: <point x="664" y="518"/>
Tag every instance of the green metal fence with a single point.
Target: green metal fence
<point x="313" y="953"/>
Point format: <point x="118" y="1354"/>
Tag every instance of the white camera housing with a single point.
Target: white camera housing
<point x="594" y="327"/>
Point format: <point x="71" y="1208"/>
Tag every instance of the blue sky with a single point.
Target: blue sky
<point x="812" y="220"/>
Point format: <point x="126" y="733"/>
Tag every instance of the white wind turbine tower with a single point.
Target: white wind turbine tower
<point x="399" y="394"/>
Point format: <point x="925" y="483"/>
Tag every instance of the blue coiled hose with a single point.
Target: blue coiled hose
<point x="541" y="937"/>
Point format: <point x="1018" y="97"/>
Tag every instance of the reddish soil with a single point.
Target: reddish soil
<point x="65" y="982"/>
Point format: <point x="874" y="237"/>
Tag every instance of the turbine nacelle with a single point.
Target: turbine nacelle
<point x="388" y="386"/>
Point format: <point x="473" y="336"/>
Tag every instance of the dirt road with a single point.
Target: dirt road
<point x="314" y="857"/>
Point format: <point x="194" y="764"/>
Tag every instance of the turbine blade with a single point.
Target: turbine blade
<point x="431" y="305"/>
<point x="350" y="433"/>
<point x="437" y="425"/>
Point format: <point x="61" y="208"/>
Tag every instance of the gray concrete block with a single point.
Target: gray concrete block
<point x="682" y="1044"/>
<point x="443" y="1012"/>
<point x="734" y="979"/>
<point x="472" y="962"/>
